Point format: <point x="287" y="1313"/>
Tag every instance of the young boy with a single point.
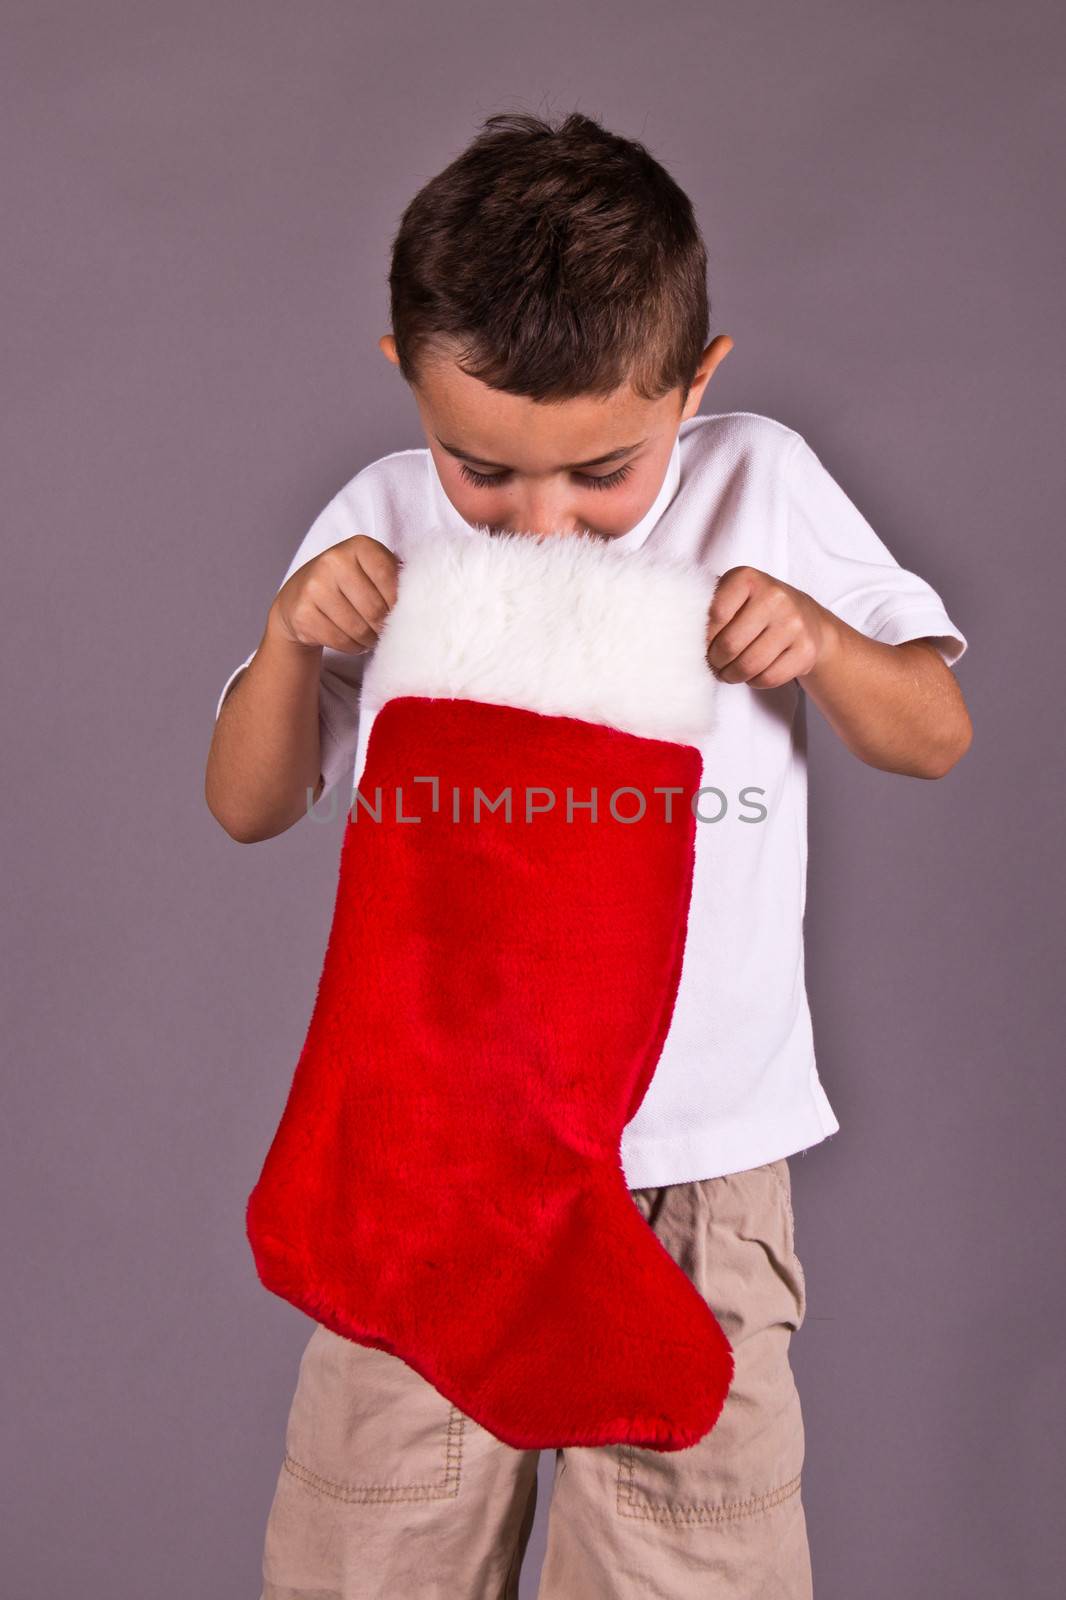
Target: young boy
<point x="549" y="312"/>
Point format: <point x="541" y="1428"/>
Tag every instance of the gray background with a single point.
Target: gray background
<point x="198" y="205"/>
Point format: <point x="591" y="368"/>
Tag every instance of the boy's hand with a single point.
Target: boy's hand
<point x="340" y="598"/>
<point x="896" y="707"/>
<point x="763" y="632"/>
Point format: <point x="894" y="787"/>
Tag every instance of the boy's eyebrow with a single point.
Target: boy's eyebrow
<point x="600" y="461"/>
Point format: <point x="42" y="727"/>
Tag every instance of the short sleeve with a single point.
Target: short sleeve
<point x="836" y="557"/>
<point x="341" y="676"/>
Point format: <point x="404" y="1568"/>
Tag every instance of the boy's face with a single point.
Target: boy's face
<point x="518" y="465"/>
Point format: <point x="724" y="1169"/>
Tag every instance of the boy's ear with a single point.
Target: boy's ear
<point x="387" y="346"/>
<point x="715" y="352"/>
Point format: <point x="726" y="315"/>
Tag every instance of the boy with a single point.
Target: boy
<point x="549" y="311"/>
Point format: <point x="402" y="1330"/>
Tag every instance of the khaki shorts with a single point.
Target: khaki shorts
<point x="389" y="1492"/>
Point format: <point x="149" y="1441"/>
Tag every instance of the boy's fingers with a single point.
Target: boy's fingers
<point x="354" y="637"/>
<point x="730" y="593"/>
<point x="735" y="636"/>
<point x="741" y="629"/>
<point x="361" y="599"/>
<point x="381" y="566"/>
<point x="359" y="578"/>
<point x="354" y="629"/>
<point x="757" y="655"/>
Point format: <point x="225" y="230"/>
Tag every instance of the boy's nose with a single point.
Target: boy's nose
<point x="545" y="513"/>
<point x="545" y="526"/>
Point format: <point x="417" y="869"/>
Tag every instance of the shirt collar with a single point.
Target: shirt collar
<point x="446" y="514"/>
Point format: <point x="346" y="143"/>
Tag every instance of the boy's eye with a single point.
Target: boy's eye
<point x="485" y="480"/>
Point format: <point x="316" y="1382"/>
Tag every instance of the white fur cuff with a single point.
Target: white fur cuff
<point x="561" y="624"/>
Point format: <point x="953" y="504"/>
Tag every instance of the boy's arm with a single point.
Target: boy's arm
<point x="268" y="761"/>
<point x="896" y="706"/>
<point x="286" y="722"/>
<point x="264" y="756"/>
<point x="870" y="641"/>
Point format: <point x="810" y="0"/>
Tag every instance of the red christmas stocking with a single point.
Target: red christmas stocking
<point x="445" y="1182"/>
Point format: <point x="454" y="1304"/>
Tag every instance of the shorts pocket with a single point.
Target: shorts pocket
<point x="364" y="1427"/>
<point x="696" y="1487"/>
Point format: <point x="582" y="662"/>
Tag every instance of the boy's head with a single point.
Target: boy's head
<point x="549" y="308"/>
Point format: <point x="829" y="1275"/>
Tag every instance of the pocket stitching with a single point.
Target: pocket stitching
<point x="446" y="1487"/>
<point x="690" y="1511"/>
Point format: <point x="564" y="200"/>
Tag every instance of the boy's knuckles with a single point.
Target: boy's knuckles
<point x="374" y="608"/>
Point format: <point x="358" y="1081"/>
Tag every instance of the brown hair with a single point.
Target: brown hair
<point x="552" y="262"/>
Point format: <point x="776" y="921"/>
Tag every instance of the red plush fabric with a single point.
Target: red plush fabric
<point x="445" y="1182"/>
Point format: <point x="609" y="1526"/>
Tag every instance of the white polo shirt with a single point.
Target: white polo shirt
<point x="736" y="1084"/>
